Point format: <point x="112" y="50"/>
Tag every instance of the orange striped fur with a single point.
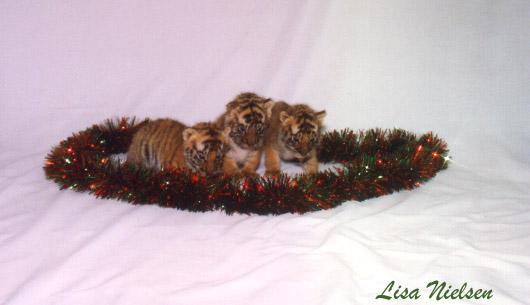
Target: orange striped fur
<point x="294" y="134"/>
<point x="167" y="143"/>
<point x="247" y="116"/>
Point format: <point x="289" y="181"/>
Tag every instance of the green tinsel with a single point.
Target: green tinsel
<point x="372" y="163"/>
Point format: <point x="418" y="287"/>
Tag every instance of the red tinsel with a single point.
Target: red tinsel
<point x="372" y="163"/>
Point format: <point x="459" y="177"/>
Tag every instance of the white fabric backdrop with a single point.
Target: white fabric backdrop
<point x="459" y="68"/>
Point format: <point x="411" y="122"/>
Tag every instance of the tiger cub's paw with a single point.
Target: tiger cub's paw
<point x="251" y="174"/>
<point x="273" y="173"/>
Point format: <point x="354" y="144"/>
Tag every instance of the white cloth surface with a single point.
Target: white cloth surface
<point x="458" y="68"/>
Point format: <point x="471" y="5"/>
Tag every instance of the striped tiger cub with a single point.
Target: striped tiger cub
<point x="247" y="116"/>
<point x="168" y="143"/>
<point x="294" y="134"/>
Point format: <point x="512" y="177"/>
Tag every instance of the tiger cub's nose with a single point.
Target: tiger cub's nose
<point x="253" y="118"/>
<point x="252" y="136"/>
<point x="304" y="147"/>
<point x="211" y="161"/>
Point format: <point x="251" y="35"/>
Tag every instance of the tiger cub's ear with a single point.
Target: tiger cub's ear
<point x="231" y="111"/>
<point x="284" y="117"/>
<point x="226" y="132"/>
<point x="321" y="115"/>
<point x="231" y="105"/>
<point x="268" y="104"/>
<point x="187" y="133"/>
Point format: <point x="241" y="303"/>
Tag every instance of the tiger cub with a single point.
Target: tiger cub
<point x="247" y="116"/>
<point x="294" y="134"/>
<point x="167" y="143"/>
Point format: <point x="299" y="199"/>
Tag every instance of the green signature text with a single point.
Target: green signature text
<point x="438" y="291"/>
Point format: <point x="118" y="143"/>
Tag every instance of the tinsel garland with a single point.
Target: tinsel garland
<point x="370" y="164"/>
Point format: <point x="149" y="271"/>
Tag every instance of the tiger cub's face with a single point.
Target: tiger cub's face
<point x="300" y="129"/>
<point x="204" y="148"/>
<point x="248" y="118"/>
